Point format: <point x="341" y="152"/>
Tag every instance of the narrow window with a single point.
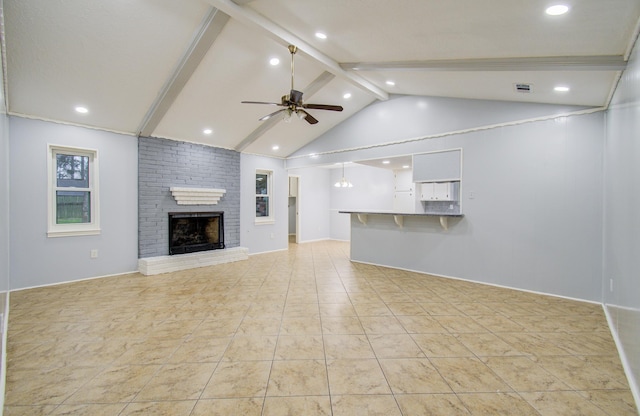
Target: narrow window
<point x="73" y="192"/>
<point x="264" y="196"/>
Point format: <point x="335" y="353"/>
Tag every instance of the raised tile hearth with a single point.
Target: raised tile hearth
<point x="165" y="264"/>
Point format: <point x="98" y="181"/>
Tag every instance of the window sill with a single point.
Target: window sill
<point x="73" y="233"/>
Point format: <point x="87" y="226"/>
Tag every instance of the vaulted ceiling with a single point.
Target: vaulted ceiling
<point x="172" y="69"/>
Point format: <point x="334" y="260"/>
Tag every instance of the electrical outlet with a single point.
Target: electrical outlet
<point x="94" y="253"/>
<point x="610" y="285"/>
<point x="273" y="236"/>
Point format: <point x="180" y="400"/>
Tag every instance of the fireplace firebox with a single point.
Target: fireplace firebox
<point x="190" y="232"/>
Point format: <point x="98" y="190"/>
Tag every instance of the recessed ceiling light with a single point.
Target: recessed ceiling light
<point x="557" y="10"/>
<point x="405" y="166"/>
<point x="385" y="162"/>
<point x="207" y="131"/>
<point x="561" y="88"/>
<point x="274" y="61"/>
<point x="82" y="110"/>
<point x="390" y="83"/>
<point x="321" y="35"/>
<point x="275" y="147"/>
<point x="346" y="96"/>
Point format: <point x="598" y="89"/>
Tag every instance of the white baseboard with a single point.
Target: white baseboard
<point x="633" y="383"/>
<point x="3" y="367"/>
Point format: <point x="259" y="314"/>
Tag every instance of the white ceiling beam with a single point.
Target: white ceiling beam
<point x="210" y="28"/>
<point x="250" y="18"/>
<point x="315" y="86"/>
<point x="551" y="63"/>
<point x="264" y="127"/>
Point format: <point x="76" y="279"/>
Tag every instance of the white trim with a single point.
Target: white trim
<point x="268" y="251"/>
<point x="270" y="195"/>
<point x="298" y="219"/>
<point x="66" y="123"/>
<point x="74" y="233"/>
<point x="445" y="134"/>
<point x="81" y="229"/>
<point x="82" y="279"/>
<point x="316" y="240"/>
<point x="3" y="366"/>
<point x="633" y="383"/>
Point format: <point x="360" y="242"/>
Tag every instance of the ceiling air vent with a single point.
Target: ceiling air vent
<point x="526" y="88"/>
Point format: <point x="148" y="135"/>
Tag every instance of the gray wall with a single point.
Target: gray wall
<point x="165" y="163"/>
<point x="373" y="188"/>
<point x="533" y="222"/>
<point x="38" y="260"/>
<point x="404" y="118"/>
<point x="622" y="219"/>
<point x="535" y="219"/>
<point x="260" y="238"/>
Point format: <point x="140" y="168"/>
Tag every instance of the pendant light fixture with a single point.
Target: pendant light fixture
<point x="343" y="183"/>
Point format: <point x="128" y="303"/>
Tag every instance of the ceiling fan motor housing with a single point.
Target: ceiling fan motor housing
<point x="295" y="97"/>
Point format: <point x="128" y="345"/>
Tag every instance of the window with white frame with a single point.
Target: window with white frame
<point x="73" y="202"/>
<point x="264" y="196"/>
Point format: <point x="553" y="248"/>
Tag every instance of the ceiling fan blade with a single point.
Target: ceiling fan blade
<point x="323" y="107"/>
<point x="261" y="102"/>
<point x="310" y="119"/>
<point x="268" y="116"/>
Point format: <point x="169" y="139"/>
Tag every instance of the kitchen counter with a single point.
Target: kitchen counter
<point x="399" y="216"/>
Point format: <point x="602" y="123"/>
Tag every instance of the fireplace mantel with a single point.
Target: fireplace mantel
<point x="197" y="196"/>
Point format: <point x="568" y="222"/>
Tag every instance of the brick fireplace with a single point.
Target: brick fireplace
<point x="164" y="164"/>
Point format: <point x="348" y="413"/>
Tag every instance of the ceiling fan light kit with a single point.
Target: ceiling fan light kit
<point x="293" y="101"/>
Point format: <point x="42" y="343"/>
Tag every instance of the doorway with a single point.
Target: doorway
<point x="294" y="209"/>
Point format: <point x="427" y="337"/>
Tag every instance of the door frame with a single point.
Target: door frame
<point x="298" y="190"/>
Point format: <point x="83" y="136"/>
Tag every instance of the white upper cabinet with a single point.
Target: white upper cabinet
<point x="293" y="186"/>
<point x="436" y="191"/>
<point x="440" y="166"/>
<point x="403" y="181"/>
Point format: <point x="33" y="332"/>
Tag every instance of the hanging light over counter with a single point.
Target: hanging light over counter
<point x="343" y="183"/>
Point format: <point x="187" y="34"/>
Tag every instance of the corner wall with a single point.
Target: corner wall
<point x="5" y="170"/>
<point x="621" y="277"/>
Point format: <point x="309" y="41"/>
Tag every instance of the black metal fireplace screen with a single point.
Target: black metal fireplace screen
<point x="190" y="232"/>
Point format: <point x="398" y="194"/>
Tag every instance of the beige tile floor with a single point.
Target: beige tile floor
<point x="307" y="332"/>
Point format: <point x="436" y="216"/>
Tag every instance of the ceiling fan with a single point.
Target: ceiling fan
<point x="293" y="101"/>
